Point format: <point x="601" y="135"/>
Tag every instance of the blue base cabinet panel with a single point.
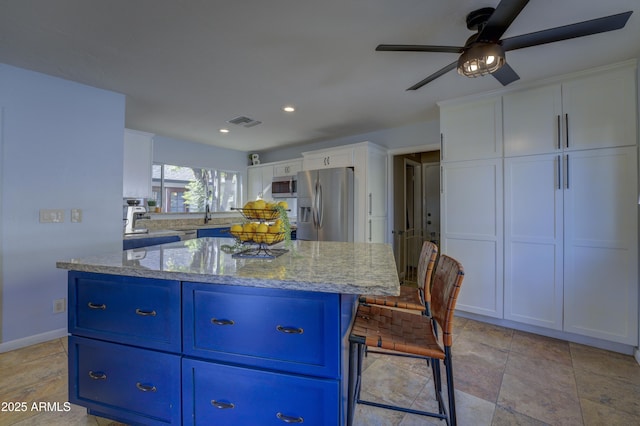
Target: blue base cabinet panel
<point x="133" y="385"/>
<point x="215" y="232"/>
<point x="134" y="243"/>
<point x="138" y="311"/>
<point x="294" y="331"/>
<point x="217" y="394"/>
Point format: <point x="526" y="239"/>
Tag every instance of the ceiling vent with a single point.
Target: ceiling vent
<point x="244" y="121"/>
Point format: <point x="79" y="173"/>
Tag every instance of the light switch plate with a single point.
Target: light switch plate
<point x="51" y="216"/>
<point x="76" y="215"/>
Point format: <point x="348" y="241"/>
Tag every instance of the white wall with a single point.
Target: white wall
<point x="185" y="153"/>
<point x="417" y="134"/>
<point x="61" y="147"/>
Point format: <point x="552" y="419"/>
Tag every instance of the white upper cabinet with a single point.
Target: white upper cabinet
<point x="288" y="168"/>
<point x="471" y="131"/>
<point x="592" y="111"/>
<point x="259" y="181"/>
<point x="327" y="159"/>
<point x="533" y="121"/>
<point x="600" y="110"/>
<point x="138" y="161"/>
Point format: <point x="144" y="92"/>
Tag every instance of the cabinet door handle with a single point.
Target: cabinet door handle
<point x="97" y="375"/>
<point x="559" y="173"/>
<point x="370" y="203"/>
<point x="222" y="405"/>
<point x="441" y="146"/>
<point x="100" y="306"/>
<point x="290" y="330"/>
<point x="289" y="419"/>
<point x="146" y="388"/>
<point x="566" y="171"/>
<point x="221" y="321"/>
<point x="370" y="230"/>
<point x="145" y="313"/>
<point x="559" y="133"/>
<point x="566" y="129"/>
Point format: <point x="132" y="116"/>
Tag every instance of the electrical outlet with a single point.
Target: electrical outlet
<point x="51" y="216"/>
<point x="76" y="215"/>
<point x="59" y="306"/>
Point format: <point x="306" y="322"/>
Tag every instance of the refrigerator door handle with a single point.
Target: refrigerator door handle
<point x="314" y="207"/>
<point x="320" y="205"/>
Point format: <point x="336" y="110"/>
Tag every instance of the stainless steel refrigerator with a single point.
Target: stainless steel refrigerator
<point x="325" y="205"/>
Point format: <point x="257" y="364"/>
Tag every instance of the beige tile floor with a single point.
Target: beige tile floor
<point x="502" y="377"/>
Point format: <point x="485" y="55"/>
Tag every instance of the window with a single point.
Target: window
<point x="180" y="189"/>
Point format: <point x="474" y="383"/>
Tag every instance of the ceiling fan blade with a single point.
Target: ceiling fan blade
<point x="566" y="32"/>
<point x="435" y="75"/>
<point x="418" y="48"/>
<point x="505" y="13"/>
<point x="506" y="75"/>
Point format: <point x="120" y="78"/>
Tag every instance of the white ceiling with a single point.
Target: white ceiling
<point x="188" y="66"/>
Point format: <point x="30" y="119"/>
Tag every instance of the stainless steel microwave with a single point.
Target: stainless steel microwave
<point x="284" y="187"/>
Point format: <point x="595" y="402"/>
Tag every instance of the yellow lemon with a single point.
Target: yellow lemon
<point x="283" y="204"/>
<point x="259" y="204"/>
<point x="274" y="229"/>
<point x="248" y="205"/>
<point x="263" y="228"/>
<point x="236" y="228"/>
<point x="269" y="238"/>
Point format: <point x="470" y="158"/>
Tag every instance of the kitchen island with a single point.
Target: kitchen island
<point x="182" y="333"/>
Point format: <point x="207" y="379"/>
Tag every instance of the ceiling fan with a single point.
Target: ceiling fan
<point x="484" y="52"/>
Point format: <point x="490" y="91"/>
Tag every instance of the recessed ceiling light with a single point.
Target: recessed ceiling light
<point x="224" y="130"/>
<point x="288" y="108"/>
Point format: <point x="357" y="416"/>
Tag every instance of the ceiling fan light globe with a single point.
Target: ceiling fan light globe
<point x="481" y="59"/>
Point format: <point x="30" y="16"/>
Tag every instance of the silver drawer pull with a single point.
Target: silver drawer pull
<point x="97" y="376"/>
<point x="288" y="419"/>
<point x="145" y="313"/>
<point x="101" y="306"/>
<point x="222" y="405"/>
<point x="221" y="321"/>
<point x="146" y="388"/>
<point x="289" y="330"/>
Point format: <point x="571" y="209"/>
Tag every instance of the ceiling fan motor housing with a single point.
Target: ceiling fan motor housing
<point x="478" y="18"/>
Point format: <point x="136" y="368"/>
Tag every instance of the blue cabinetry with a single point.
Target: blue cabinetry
<point x="150" y="351"/>
<point x="226" y="395"/>
<point x="215" y="232"/>
<point x="125" y="383"/>
<point x="134" y="243"/>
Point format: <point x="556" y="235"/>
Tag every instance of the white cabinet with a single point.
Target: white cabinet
<point x="594" y="111"/>
<point x="327" y="159"/>
<point x="471" y="131"/>
<point x="533" y="247"/>
<point x="259" y="181"/>
<point x="601" y="244"/>
<point x="471" y="211"/>
<point x="138" y="161"/>
<point x="288" y="168"/>
<point x="369" y="163"/>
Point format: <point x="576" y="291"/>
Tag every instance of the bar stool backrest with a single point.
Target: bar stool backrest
<point x="444" y="294"/>
<point x="428" y="256"/>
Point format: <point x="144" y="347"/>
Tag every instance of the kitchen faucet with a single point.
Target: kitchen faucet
<point x="207" y="215"/>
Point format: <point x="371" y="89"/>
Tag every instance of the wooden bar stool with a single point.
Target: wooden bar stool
<point x="411" y="335"/>
<point x="417" y="299"/>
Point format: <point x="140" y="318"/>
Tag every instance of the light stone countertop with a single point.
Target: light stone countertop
<point x="322" y="266"/>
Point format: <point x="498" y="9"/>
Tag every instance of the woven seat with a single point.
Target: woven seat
<point x="413" y="298"/>
<point x="411" y="335"/>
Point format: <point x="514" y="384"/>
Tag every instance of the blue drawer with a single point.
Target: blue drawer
<point x="294" y="331"/>
<point x="215" y="232"/>
<point x="216" y="394"/>
<point x="137" y="311"/>
<point x="129" y="384"/>
<point x="146" y="242"/>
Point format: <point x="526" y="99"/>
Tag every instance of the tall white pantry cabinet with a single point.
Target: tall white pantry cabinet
<point x="565" y="200"/>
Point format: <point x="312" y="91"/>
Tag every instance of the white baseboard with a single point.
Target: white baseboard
<point x="32" y="340"/>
